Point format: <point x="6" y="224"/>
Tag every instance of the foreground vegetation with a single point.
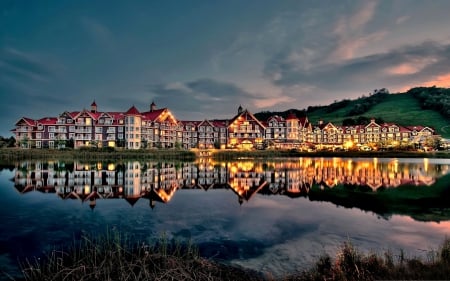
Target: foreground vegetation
<point x="236" y="154"/>
<point x="13" y="154"/>
<point x="8" y="155"/>
<point x="114" y="258"/>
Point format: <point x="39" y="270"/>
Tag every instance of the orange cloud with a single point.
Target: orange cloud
<point x="404" y="69"/>
<point x="439" y="81"/>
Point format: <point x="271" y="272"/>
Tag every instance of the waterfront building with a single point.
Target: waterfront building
<point x="245" y="131"/>
<point x="158" y="128"/>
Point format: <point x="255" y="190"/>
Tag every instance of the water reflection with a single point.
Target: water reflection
<point x="159" y="181"/>
<point x="273" y="216"/>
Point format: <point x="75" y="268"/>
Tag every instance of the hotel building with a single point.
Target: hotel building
<point x="159" y="128"/>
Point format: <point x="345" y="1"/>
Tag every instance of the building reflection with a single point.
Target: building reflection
<point x="158" y="182"/>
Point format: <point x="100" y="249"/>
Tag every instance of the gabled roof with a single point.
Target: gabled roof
<point x="275" y="118"/>
<point x="248" y="115"/>
<point x="303" y="120"/>
<point x="133" y="111"/>
<point x="74" y="114"/>
<point x="153" y="115"/>
<point x="206" y="123"/>
<point x="404" y="129"/>
<point x="89" y="113"/>
<point x="47" y="121"/>
<point x="372" y="124"/>
<point x="220" y="123"/>
<point x="193" y="123"/>
<point x="419" y="128"/>
<point x="158" y="115"/>
<point x="28" y="121"/>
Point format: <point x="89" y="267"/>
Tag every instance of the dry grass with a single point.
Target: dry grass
<point x="349" y="265"/>
<point x="117" y="258"/>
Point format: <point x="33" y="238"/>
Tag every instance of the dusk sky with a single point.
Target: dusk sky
<point x="202" y="59"/>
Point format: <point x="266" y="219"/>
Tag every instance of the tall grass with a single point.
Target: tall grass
<point x="350" y="264"/>
<point x="117" y="257"/>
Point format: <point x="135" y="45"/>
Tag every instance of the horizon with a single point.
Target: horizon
<point x="203" y="59"/>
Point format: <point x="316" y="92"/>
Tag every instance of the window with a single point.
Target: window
<point x="51" y="128"/>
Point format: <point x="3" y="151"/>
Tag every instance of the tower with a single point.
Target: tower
<point x="94" y="107"/>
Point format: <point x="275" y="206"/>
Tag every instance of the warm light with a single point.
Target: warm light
<point x="111" y="167"/>
<point x="348" y="144"/>
<point x="425" y="164"/>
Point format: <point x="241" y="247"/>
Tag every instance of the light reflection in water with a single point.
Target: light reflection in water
<point x="288" y="210"/>
<point x="159" y="181"/>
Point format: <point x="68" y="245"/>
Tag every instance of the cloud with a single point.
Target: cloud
<point x="19" y="66"/>
<point x="202" y="98"/>
<point x="395" y="68"/>
<point x="351" y="34"/>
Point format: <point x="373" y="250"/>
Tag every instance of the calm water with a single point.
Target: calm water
<point x="275" y="216"/>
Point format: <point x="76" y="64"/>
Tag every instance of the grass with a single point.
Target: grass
<point x="402" y="109"/>
<point x="350" y="264"/>
<point x="14" y="154"/>
<point x="271" y="153"/>
<point x="114" y="257"/>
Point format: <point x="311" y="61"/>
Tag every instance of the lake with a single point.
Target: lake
<point x="273" y="216"/>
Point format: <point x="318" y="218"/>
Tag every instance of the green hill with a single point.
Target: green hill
<point x="405" y="109"/>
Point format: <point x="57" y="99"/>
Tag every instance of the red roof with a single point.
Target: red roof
<point x="27" y="120"/>
<point x="47" y="121"/>
<point x="220" y="123"/>
<point x="153" y="115"/>
<point x="93" y="103"/>
<point x="132" y="111"/>
<point x="291" y="116"/>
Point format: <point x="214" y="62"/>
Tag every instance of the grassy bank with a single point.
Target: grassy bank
<point x="113" y="258"/>
<point x="235" y="154"/>
<point x="11" y="154"/>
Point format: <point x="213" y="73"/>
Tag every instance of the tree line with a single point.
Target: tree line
<point x="433" y="98"/>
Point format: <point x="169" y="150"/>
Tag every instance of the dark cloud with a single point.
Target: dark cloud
<point x="202" y="98"/>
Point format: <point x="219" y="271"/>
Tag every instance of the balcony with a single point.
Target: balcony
<point x="83" y="131"/>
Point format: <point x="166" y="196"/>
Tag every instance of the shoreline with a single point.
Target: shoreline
<point x="14" y="154"/>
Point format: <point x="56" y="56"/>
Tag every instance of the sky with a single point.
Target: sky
<point x="202" y="59"/>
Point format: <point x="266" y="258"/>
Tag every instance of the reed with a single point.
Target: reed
<point x="117" y="257"/>
<point x="94" y="154"/>
<point x="350" y="264"/>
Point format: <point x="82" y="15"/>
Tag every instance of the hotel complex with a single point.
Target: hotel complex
<point x="158" y="128"/>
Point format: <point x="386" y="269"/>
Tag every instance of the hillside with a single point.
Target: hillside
<point x="403" y="109"/>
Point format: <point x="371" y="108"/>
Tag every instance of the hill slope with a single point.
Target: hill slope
<point x="403" y="109"/>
